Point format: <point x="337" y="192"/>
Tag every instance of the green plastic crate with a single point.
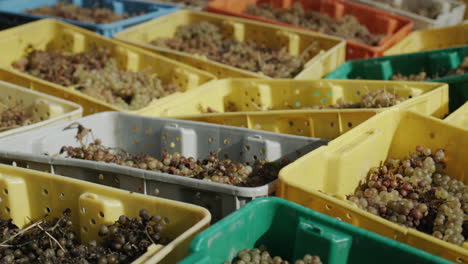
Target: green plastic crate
<point x="291" y="231"/>
<point x="433" y="62"/>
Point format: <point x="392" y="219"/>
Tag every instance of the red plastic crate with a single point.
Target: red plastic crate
<point x="394" y="27"/>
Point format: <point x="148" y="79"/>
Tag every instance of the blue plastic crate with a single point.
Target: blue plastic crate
<point x="13" y="13"/>
<point x="432" y="62"/>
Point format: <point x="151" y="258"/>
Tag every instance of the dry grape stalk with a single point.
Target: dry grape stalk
<point x="73" y="12"/>
<point x="431" y="11"/>
<point x="188" y="3"/>
<point x="207" y="39"/>
<point x="54" y="241"/>
<point x="375" y="99"/>
<point x="211" y="168"/>
<point x="261" y="255"/>
<point x="96" y="73"/>
<point x="349" y="27"/>
<point x="423" y="76"/>
<point x="13" y="117"/>
<point x="415" y="192"/>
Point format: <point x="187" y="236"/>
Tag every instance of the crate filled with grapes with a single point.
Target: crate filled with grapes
<point x="368" y="31"/>
<point x="105" y="17"/>
<point x="320" y="108"/>
<point x="446" y="65"/>
<point x="232" y="47"/>
<point x="22" y="109"/>
<point x="54" y="219"/>
<point x="218" y="167"/>
<point x="96" y="72"/>
<point x="311" y="238"/>
<point x="399" y="174"/>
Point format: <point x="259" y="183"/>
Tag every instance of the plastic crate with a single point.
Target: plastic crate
<point x="14" y="13"/>
<point x="433" y="62"/>
<point x="29" y="194"/>
<point x="288" y="96"/>
<point x="139" y="134"/>
<point x="330" y="56"/>
<point x="432" y="39"/>
<point x="321" y="179"/>
<point x="394" y="27"/>
<point x="291" y="231"/>
<point x="459" y="117"/>
<point x="45" y="110"/>
<point x="452" y="11"/>
<point x="56" y="35"/>
<point x="181" y="6"/>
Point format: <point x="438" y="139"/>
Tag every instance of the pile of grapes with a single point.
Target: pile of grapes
<point x="96" y="73"/>
<point x="430" y="11"/>
<point x="415" y="192"/>
<point x="423" y="76"/>
<point x="81" y="14"/>
<point x="349" y="28"/>
<point x="261" y="255"/>
<point x="54" y="241"/>
<point x="207" y="39"/>
<point x="211" y="168"/>
<point x="14" y="117"/>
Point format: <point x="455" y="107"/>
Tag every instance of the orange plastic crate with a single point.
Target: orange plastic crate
<point x="394" y="27"/>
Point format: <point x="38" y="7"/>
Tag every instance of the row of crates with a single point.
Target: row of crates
<point x="326" y="146"/>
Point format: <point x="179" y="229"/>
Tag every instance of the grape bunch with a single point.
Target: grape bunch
<point x="71" y="11"/>
<point x="208" y="39"/>
<point x="211" y="168"/>
<point x="261" y="255"/>
<point x="54" y="241"/>
<point x="423" y="76"/>
<point x="415" y="192"/>
<point x="13" y="117"/>
<point x="349" y="27"/>
<point x="97" y="74"/>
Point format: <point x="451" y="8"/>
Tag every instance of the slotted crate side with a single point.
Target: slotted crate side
<point x="291" y="231"/>
<point x="29" y="194"/>
<point x="438" y="62"/>
<point x="139" y="134"/>
<point x="394" y="27"/>
<point x="55" y="35"/>
<point x="459" y="117"/>
<point x="431" y="39"/>
<point x="44" y="110"/>
<point x="184" y="5"/>
<point x="312" y="180"/>
<point x="13" y="13"/>
<point x="329" y="56"/>
<point x="452" y="12"/>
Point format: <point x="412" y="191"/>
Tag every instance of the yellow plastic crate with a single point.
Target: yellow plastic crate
<point x="28" y="195"/>
<point x="431" y="39"/>
<point x="60" y="36"/>
<point x="286" y="97"/>
<point x="459" y="117"/>
<point x="45" y="110"/>
<point x="331" y="52"/>
<point x="321" y="179"/>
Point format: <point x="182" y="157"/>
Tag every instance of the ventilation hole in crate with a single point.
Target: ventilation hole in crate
<point x="101" y="214"/>
<point x="172" y="145"/>
<point x="9" y="97"/>
<point x="460" y="260"/>
<point x="136" y="142"/>
<point x="432" y="135"/>
<point x="330" y="94"/>
<point x="83" y="210"/>
<point x="306" y="123"/>
<point x="258" y="95"/>
<point x="7" y="210"/>
<point x="348" y="215"/>
<point x="165" y="137"/>
<point x="135" y="129"/>
<point x="246" y="93"/>
<point x="140" y="188"/>
<point x="255" y="157"/>
<point x="258" y="126"/>
<point x="332" y="124"/>
<point x="178" y="138"/>
<point x="48" y="114"/>
<point x="166" y="220"/>
<point x="85" y="229"/>
<point x="298" y="104"/>
<point x="1" y="200"/>
<point x="41" y="118"/>
<point x="156" y="191"/>
<point x="211" y="139"/>
<point x="410" y="96"/>
<point x="246" y="105"/>
<point x="299" y="153"/>
<point x="148" y="131"/>
<point x="252" y="99"/>
<point x="247" y="148"/>
<point x="116" y="180"/>
<point x="45" y="192"/>
<point x="291" y="123"/>
<point x="317" y="93"/>
<point x="263" y="150"/>
<point x="226" y="156"/>
<point x="297" y="91"/>
<point x="93" y="222"/>
<point x="300" y="131"/>
<point x="328" y="207"/>
<point x="358" y="93"/>
<point x="47" y="210"/>
<point x="324" y="100"/>
<point x="350" y="124"/>
<point x="62" y="196"/>
<point x="5" y="191"/>
<point x="101" y="177"/>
